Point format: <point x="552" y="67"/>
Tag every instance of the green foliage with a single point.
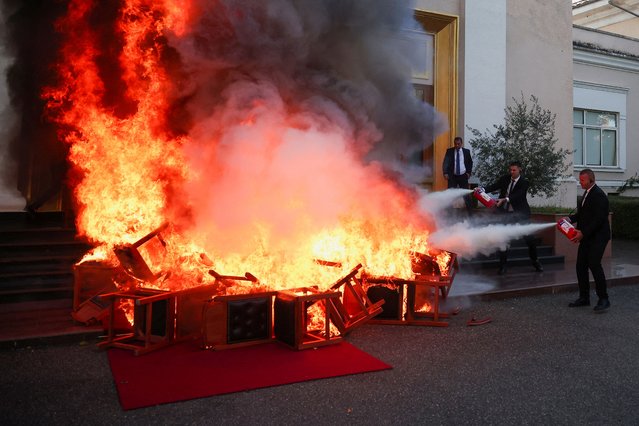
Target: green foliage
<point x="551" y="210"/>
<point x="624" y="217"/>
<point x="527" y="136"/>
<point x="629" y="183"/>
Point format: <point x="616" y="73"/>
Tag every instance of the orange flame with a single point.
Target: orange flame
<point x="255" y="189"/>
<point x="443" y="260"/>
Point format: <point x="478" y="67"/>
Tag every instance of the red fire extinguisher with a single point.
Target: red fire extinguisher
<point x="567" y="229"/>
<point x="484" y="198"/>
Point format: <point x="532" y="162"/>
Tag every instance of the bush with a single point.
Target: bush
<point x="527" y="136"/>
<point x="551" y="210"/>
<point x="624" y="217"/>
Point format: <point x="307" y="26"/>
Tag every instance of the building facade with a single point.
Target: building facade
<point x="581" y="61"/>
<point x="606" y="91"/>
<point x="506" y="49"/>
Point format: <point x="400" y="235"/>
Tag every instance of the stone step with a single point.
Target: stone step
<point x="37" y="254"/>
<point x="9" y="265"/>
<point x="22" y="220"/>
<point x="8" y="236"/>
<point x="43" y="248"/>
<point x="512" y="261"/>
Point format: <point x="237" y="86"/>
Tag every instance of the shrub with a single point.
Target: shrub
<point x="629" y="183"/>
<point x="528" y="136"/>
<point x="551" y="210"/>
<point x="624" y="217"/>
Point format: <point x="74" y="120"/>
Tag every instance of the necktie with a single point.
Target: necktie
<point x="510" y="189"/>
<point x="458" y="163"/>
<point x="583" y="199"/>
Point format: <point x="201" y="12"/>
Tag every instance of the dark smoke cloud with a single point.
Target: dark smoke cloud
<point x="30" y="44"/>
<point x="340" y="59"/>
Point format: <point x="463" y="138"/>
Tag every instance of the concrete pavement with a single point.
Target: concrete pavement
<point x="537" y="362"/>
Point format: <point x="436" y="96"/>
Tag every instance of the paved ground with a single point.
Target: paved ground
<point x="538" y="362"/>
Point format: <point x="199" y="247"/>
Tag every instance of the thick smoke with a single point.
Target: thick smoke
<point x="297" y="114"/>
<point x="9" y="197"/>
<point x="29" y="47"/>
<point x="342" y="60"/>
<point x="265" y="93"/>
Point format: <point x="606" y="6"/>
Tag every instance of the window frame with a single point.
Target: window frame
<point x="600" y="97"/>
<point x="601" y="129"/>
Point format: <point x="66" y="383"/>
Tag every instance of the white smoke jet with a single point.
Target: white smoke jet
<point x="435" y="202"/>
<point x="468" y="242"/>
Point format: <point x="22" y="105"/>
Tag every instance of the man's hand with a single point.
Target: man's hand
<point x="578" y="237"/>
<point x="501" y="201"/>
<point x="446" y="176"/>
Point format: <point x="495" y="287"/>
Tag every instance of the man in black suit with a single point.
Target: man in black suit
<point x="593" y="234"/>
<point x="513" y="202"/>
<point x="457" y="167"/>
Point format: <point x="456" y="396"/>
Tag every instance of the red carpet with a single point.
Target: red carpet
<point x="184" y="371"/>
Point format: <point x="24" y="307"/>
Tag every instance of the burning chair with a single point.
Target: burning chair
<point x="416" y="301"/>
<point x="354" y="307"/>
<point x="303" y="318"/>
<point x="286" y="316"/>
<point x="237" y="320"/>
<point x="90" y="279"/>
<point x="137" y="258"/>
<point x="160" y="317"/>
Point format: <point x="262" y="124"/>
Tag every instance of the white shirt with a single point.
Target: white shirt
<point x="462" y="166"/>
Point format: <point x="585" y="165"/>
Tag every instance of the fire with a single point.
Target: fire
<point x="443" y="261"/>
<point x="315" y="320"/>
<point x="253" y="181"/>
<point x="426" y="307"/>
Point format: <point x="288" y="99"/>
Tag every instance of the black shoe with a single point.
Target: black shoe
<point x="502" y="270"/>
<point x="579" y="302"/>
<point x="537" y="266"/>
<point x="602" y="305"/>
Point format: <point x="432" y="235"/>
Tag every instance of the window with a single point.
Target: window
<point x="595" y="138"/>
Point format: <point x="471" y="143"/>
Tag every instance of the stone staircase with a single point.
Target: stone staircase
<point x="37" y="254"/>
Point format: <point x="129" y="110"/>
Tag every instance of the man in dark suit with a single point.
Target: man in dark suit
<point x="513" y="202"/>
<point x="593" y="234"/>
<point x="457" y="167"/>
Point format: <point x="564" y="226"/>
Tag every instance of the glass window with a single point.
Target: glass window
<point x="578" y="144"/>
<point x="609" y="147"/>
<point x="595" y="138"/>
<point x="593" y="147"/>
<point x="578" y="116"/>
<point x="608" y="120"/>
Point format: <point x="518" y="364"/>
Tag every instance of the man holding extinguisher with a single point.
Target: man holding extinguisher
<point x="512" y="201"/>
<point x="593" y="234"/>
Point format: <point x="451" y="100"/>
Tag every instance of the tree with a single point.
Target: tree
<point x="527" y="136"/>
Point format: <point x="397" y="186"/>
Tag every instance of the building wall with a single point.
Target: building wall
<point x="484" y="53"/>
<point x="538" y="63"/>
<point x="508" y="48"/>
<point x="606" y="76"/>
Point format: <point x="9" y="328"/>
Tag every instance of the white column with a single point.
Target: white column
<point x="484" y="78"/>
